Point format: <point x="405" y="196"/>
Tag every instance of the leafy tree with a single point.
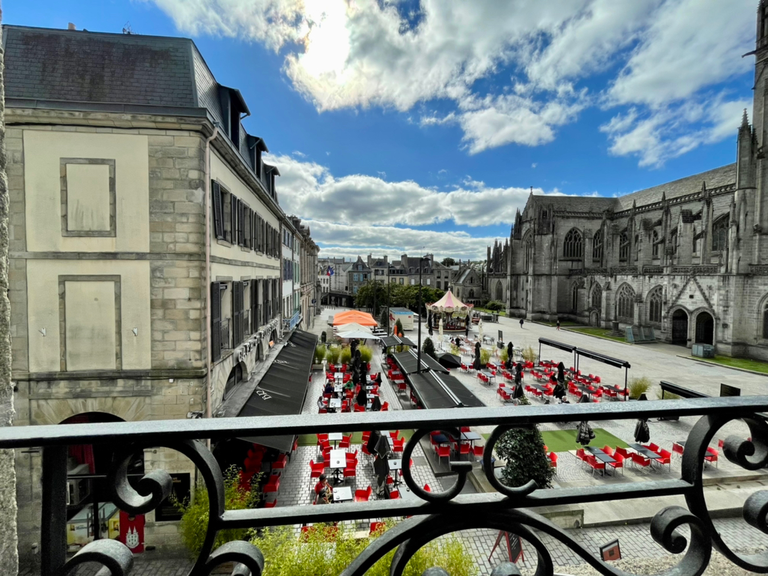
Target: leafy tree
<point x="383" y="317"/>
<point x="448" y="262"/>
<point x="365" y="296"/>
<point x="194" y="519"/>
<point x="523" y="450"/>
<point x="428" y="348"/>
<point x="327" y="549"/>
<point x="494" y="306"/>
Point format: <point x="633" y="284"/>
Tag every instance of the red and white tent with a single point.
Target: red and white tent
<point x="449" y="304"/>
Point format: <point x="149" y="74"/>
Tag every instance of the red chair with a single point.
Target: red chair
<point x="427" y="488"/>
<point x="711" y="456"/>
<point x="619" y="463"/>
<point x="394" y="434"/>
<point x="444" y="452"/>
<point x="478" y="451"/>
<point x="346" y="441"/>
<point x="321" y="438"/>
<point x="595" y="465"/>
<point x="677" y="448"/>
<point x="273" y="486"/>
<point x="720" y="444"/>
<point x="402" y="387"/>
<point x="640" y="460"/>
<point x="377" y="528"/>
<point x="654" y="448"/>
<point x="398" y="445"/>
<point x="464" y="449"/>
<point x="350" y="472"/>
<point x="280" y="463"/>
<point x="394" y="495"/>
<point x="666" y="458"/>
<point x="553" y="461"/>
<point x="608" y="450"/>
<point x="271" y="504"/>
<point x="317" y="469"/>
<point x="385" y="407"/>
<point x="359" y="408"/>
<point x="363" y="495"/>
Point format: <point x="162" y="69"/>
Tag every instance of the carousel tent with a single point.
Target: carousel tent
<point x="352" y="316"/>
<point x="450" y="304"/>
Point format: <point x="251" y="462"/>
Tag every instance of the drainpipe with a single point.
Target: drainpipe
<point x="207" y="203"/>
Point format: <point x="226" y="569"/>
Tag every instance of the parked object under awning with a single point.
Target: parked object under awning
<point x="436" y="390"/>
<point x="408" y="362"/>
<point x="283" y="388"/>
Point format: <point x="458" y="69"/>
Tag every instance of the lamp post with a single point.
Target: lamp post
<point x="418" y="313"/>
<point x="388" y="302"/>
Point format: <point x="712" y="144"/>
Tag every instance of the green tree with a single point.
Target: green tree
<point x="194" y="519"/>
<point x="523" y="450"/>
<point x="429" y="348"/>
<point x="383" y="318"/>
<point x="448" y="262"/>
<point x="371" y="294"/>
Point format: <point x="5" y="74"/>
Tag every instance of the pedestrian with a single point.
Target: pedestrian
<point x="558" y="324"/>
<point x="522" y="321"/>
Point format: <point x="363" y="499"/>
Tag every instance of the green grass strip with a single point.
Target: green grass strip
<point x="743" y="363"/>
<point x="357" y="438"/>
<point x="565" y="440"/>
<point x="599" y="333"/>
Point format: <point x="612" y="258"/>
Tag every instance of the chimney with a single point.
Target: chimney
<point x="71" y="26"/>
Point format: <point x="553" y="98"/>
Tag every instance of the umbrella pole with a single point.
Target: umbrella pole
<point x="539" y="353"/>
<point x="626" y="375"/>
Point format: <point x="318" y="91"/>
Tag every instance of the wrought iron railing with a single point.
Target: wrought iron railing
<point x="432" y="514"/>
<point x="224" y="335"/>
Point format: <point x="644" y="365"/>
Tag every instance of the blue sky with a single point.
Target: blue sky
<point x="402" y="126"/>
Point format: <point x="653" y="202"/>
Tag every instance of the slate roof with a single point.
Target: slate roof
<point x="688" y="185"/>
<point x="79" y="66"/>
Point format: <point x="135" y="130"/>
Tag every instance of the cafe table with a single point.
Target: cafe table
<point x="337" y="462"/>
<point x="335" y="437"/>
<point x="342" y="494"/>
<point x="396" y="464"/>
<point x="334" y="403"/>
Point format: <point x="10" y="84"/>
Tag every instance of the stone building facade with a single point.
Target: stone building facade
<point x="144" y="230"/>
<point x="688" y="258"/>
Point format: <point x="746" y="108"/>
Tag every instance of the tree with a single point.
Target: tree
<point x="371" y="293"/>
<point x="383" y="317"/>
<point x="429" y="348"/>
<point x="448" y="262"/>
<point x="523" y="450"/>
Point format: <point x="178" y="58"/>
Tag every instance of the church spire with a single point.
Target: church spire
<point x="744" y="121"/>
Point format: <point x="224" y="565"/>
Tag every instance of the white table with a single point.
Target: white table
<point x="337" y="462"/>
<point x="334" y="403"/>
<point x="342" y="494"/>
<point x="335" y="437"/>
<point x="396" y="464"/>
<point x="338" y="376"/>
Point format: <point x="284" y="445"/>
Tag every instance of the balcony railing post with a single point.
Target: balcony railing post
<point x="53" y="527"/>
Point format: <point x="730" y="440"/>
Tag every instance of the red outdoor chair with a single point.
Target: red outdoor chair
<point x="398" y="445"/>
<point x="346" y="442"/>
<point x="666" y="458"/>
<point x="640" y="460"/>
<point x="394" y="495"/>
<point x="444" y="452"/>
<point x="595" y="465"/>
<point x="359" y="408"/>
<point x="363" y="495"/>
<point x="271" y="504"/>
<point x="317" y="469"/>
<point x="478" y="451"/>
<point x="677" y="448"/>
<point x="385" y="407"/>
<point x="427" y="488"/>
<point x="711" y="456"/>
<point x="377" y="528"/>
<point x="553" y="461"/>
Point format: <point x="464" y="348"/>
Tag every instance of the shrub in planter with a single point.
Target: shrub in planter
<point x="320" y="352"/>
<point x="529" y="354"/>
<point x="455" y="350"/>
<point x="428" y="347"/>
<point x="194" y="519"/>
<point x="328" y="549"/>
<point x="638" y="386"/>
<point x="333" y="354"/>
<point x="485" y="356"/>
<point x="523" y="450"/>
<point x="366" y="354"/>
<point x="494" y="306"/>
<point x="503" y="355"/>
<point x="346" y="355"/>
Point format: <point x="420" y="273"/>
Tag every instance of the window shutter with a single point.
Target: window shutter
<point x="218" y="225"/>
<point x="254" y="306"/>
<point x="241" y="224"/>
<point x="215" y="321"/>
<point x="237" y="313"/>
<point x="247" y="227"/>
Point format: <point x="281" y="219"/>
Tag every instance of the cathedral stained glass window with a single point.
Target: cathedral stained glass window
<point x="623" y="246"/>
<point x="720" y="233"/>
<point x="625" y="303"/>
<point x="573" y="246"/>
<point x="654" y="305"/>
<point x="597" y="246"/>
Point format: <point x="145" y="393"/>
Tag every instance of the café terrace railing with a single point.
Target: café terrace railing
<point x="433" y="514"/>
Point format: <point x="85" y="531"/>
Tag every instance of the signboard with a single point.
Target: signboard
<point x="501" y="336"/>
<point x="726" y="390"/>
<point x="514" y="546"/>
<point x="610" y="551"/>
<point x="132" y="531"/>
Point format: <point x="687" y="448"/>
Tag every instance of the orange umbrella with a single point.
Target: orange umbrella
<point x="349" y="316"/>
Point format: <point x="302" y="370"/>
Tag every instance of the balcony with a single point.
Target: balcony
<point x="429" y="514"/>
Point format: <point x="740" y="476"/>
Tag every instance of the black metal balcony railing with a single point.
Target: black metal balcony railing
<point x="433" y="514"/>
<point x="226" y="340"/>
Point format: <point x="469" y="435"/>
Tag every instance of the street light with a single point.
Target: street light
<point x="418" y="313"/>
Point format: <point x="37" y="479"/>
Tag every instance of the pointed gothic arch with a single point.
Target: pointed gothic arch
<point x="625" y="303"/>
<point x="597" y="246"/>
<point x="654" y="301"/>
<point x="499" y="295"/>
<point x="573" y="245"/>
<point x="720" y="233"/>
<point x="655" y="243"/>
<point x="623" y="246"/>
<point x="596" y="297"/>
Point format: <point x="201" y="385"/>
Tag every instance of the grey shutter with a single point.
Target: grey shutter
<point x="237" y="313"/>
<point x="215" y="321"/>
<point x="254" y="306"/>
<point x="218" y="224"/>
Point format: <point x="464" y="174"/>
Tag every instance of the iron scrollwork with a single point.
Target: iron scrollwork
<point x="435" y="513"/>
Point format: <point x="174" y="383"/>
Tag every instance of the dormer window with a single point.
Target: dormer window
<point x="232" y="109"/>
<point x="255" y="148"/>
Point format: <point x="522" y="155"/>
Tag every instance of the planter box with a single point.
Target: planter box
<point x="317" y="367"/>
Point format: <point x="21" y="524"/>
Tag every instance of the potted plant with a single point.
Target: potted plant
<point x="346" y="355"/>
<point x="194" y="520"/>
<point x="428" y="347"/>
<point x="320" y="352"/>
<point x="529" y="354"/>
<point x="366" y="354"/>
<point x="485" y="357"/>
<point x="333" y="354"/>
<point x="638" y="386"/>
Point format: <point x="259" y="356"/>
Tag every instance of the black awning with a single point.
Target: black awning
<point x="442" y="391"/>
<point x="283" y="388"/>
<point x="390" y="341"/>
<point x="558" y="345"/>
<point x="449" y="360"/>
<point x="615" y="362"/>
<point x="408" y="361"/>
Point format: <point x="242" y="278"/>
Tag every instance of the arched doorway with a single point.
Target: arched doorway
<point x="705" y="328"/>
<point x="234" y="378"/>
<point x="594" y="318"/>
<point x="90" y="512"/>
<point x="680" y="327"/>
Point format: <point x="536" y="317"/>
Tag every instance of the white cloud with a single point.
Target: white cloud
<point x="533" y="165"/>
<point x="311" y="191"/>
<point x="361" y="214"/>
<point x="506" y="72"/>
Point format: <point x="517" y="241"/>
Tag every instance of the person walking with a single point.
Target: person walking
<point x="558" y="324"/>
<point x="522" y="321"/>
